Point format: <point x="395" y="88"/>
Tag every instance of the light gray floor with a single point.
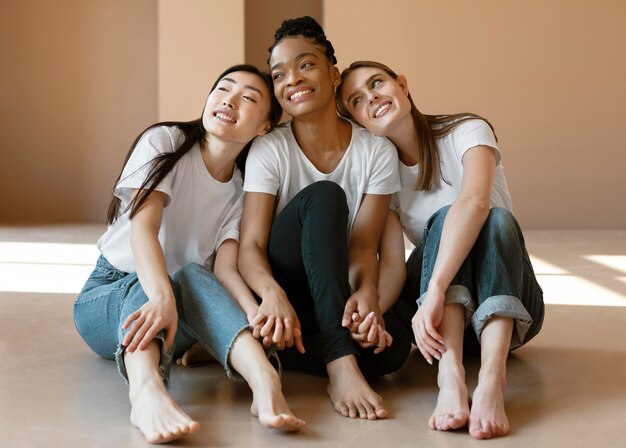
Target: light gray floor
<point x="566" y="388"/>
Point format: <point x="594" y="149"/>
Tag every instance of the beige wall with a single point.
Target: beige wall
<point x="550" y="76"/>
<point x="80" y="78"/>
<point x="198" y="39"/>
<point x="77" y="80"/>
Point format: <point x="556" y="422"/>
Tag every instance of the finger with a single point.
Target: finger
<point x="347" y="312"/>
<point x="359" y="337"/>
<point x="372" y="335"/>
<point x="297" y="338"/>
<point x="138" y="336"/>
<point x="170" y="334"/>
<point x="129" y="320"/>
<point x="288" y="332"/>
<point x="356" y="317"/>
<point x="382" y="341"/>
<point x="257" y="320"/>
<point x="389" y="339"/>
<point x="267" y="328"/>
<point x="278" y="331"/>
<point x="267" y="341"/>
<point x="365" y="326"/>
<point x="149" y="336"/>
<point x="424" y="353"/>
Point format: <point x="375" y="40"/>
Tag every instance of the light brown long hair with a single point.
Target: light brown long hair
<point x="429" y="128"/>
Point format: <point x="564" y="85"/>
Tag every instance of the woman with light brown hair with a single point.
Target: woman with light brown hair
<point x="470" y="282"/>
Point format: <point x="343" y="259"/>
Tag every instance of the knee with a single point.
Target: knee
<point x="437" y="219"/>
<point x="328" y="193"/>
<point x="501" y="223"/>
<point x="189" y="275"/>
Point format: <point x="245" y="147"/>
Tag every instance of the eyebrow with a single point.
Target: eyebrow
<point x="300" y="56"/>
<point x="232" y="81"/>
<point x="367" y="82"/>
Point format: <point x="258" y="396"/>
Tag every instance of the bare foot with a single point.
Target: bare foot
<point x="350" y="393"/>
<point x="194" y="356"/>
<point x="156" y="415"/>
<point x="270" y="407"/>
<point x="452" y="410"/>
<point x="488" y="418"/>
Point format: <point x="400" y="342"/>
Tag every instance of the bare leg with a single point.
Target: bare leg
<point x="488" y="418"/>
<point x="153" y="411"/>
<point x="248" y="358"/>
<point x="350" y="393"/>
<point x="452" y="410"/>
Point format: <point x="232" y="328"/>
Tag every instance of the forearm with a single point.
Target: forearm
<point x="363" y="271"/>
<point x="256" y="271"/>
<point x="150" y="263"/>
<point x="390" y="283"/>
<point x="234" y="283"/>
<point x="461" y="228"/>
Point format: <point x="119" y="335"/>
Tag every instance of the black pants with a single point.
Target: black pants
<point x="308" y="254"/>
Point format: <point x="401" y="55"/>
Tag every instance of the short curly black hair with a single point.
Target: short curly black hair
<point x="308" y="27"/>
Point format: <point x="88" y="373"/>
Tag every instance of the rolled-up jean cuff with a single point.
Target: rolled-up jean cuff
<point x="230" y="372"/>
<point x="457" y="294"/>
<point x="165" y="361"/>
<point x="503" y="306"/>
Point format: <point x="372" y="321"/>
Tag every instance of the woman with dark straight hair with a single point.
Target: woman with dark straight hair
<point x="167" y="275"/>
<point x="470" y="268"/>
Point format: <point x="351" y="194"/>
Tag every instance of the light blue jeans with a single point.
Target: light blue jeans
<point x="206" y="313"/>
<point x="496" y="278"/>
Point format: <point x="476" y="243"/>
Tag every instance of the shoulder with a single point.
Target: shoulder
<point x="276" y="138"/>
<point x="367" y="141"/>
<point x="161" y="138"/>
<point x="473" y="128"/>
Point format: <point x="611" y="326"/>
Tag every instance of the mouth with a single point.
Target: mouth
<point x="224" y="116"/>
<point x="382" y="109"/>
<point x="295" y="96"/>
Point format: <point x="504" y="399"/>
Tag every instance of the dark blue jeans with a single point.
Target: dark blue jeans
<point x="308" y="254"/>
<point x="496" y="278"/>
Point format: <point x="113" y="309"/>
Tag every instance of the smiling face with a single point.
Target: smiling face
<point x="304" y="79"/>
<point x="375" y="100"/>
<point x="237" y="109"/>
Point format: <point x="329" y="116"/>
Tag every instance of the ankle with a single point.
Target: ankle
<point x="341" y="365"/>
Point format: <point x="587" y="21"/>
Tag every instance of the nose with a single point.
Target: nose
<point x="228" y="102"/>
<point x="373" y="96"/>
<point x="293" y="78"/>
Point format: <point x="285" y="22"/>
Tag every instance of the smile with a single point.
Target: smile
<point x="299" y="94"/>
<point x="381" y="110"/>
<point x="225" y="117"/>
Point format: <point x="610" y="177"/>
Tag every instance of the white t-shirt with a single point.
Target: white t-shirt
<point x="276" y="165"/>
<point x="416" y="207"/>
<point x="200" y="212"/>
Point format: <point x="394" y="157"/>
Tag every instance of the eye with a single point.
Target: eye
<point x="305" y="65"/>
<point x="355" y="101"/>
<point x="277" y="76"/>
<point x="376" y="83"/>
<point x="223" y="89"/>
<point x="249" y="98"/>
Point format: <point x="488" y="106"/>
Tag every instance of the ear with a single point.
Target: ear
<point x="265" y="128"/>
<point x="336" y="76"/>
<point x="404" y="84"/>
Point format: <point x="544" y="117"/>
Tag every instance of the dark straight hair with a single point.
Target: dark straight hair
<point x="193" y="132"/>
<point x="429" y="128"/>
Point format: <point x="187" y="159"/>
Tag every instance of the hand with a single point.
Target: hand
<point x="360" y="304"/>
<point x="368" y="333"/>
<point x="425" y="323"/>
<point x="153" y="316"/>
<point x="276" y="322"/>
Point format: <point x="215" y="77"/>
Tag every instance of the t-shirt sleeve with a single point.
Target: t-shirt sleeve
<point x="153" y="143"/>
<point x="394" y="204"/>
<point x="230" y="229"/>
<point x="474" y="133"/>
<point x="384" y="177"/>
<point x="262" y="168"/>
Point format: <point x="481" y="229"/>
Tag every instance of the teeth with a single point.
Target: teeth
<point x="297" y="95"/>
<point x="225" y="117"/>
<point x="381" y="109"/>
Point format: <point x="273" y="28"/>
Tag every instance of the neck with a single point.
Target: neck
<point x="404" y="136"/>
<point x="322" y="132"/>
<point x="219" y="157"/>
